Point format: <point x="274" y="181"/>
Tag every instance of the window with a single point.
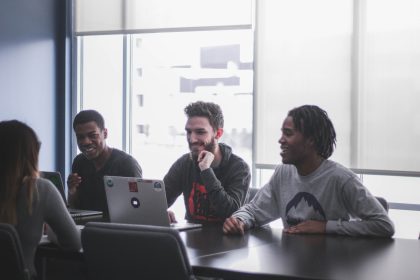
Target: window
<point x="358" y="60"/>
<point x="171" y="70"/>
<point x="140" y="74"/>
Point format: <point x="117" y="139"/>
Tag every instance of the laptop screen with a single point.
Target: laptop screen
<point x="55" y="178"/>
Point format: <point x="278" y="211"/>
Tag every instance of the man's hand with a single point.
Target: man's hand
<point x="73" y="182"/>
<point x="205" y="159"/>
<point x="233" y="226"/>
<point x="309" y="226"/>
<point x="171" y="216"/>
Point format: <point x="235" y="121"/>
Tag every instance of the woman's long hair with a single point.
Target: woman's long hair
<point x="19" y="150"/>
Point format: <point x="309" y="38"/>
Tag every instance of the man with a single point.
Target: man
<point x="213" y="180"/>
<point x="309" y="192"/>
<point x="85" y="184"/>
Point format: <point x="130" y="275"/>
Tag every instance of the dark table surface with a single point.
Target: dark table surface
<point x="267" y="253"/>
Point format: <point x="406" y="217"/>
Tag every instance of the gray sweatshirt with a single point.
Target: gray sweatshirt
<point x="48" y="207"/>
<point x="331" y="193"/>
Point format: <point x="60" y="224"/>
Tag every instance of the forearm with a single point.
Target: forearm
<point x="381" y="227"/>
<point x="372" y="218"/>
<point x="263" y="209"/>
<point x="246" y="217"/>
<point x="228" y="198"/>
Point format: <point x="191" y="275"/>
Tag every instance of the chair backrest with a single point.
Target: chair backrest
<point x="251" y="193"/>
<point x="12" y="264"/>
<point x="123" y="251"/>
<point x="383" y="202"/>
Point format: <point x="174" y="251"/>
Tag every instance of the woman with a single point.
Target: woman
<point x="27" y="201"/>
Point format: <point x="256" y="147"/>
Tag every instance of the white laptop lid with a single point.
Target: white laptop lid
<point x="134" y="200"/>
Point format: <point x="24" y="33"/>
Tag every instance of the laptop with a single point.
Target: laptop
<point x="134" y="200"/>
<point x="76" y="214"/>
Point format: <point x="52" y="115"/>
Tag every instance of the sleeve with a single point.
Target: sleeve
<point x="264" y="208"/>
<point x="60" y="221"/>
<point x="371" y="217"/>
<point x="227" y="198"/>
<point x="173" y="182"/>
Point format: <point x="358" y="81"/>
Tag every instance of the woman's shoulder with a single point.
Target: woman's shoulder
<point x="44" y="187"/>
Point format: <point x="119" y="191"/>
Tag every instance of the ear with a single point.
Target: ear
<point x="219" y="133"/>
<point x="310" y="141"/>
<point x="105" y="133"/>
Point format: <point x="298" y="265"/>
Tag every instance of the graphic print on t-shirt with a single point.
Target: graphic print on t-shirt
<point x="302" y="207"/>
<point x="199" y="205"/>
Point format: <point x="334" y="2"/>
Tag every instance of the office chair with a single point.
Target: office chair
<point x="251" y="193"/>
<point x="383" y="202"/>
<point x="12" y="264"/>
<point x="123" y="251"/>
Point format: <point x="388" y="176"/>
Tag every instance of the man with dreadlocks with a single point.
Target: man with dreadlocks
<point x="309" y="192"/>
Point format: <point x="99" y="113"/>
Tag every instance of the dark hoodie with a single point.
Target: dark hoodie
<point x="211" y="195"/>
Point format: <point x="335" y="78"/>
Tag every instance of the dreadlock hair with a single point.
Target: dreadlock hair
<point x="89" y="116"/>
<point x="313" y="122"/>
<point x="209" y="110"/>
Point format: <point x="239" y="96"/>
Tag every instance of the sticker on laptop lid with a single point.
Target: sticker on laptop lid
<point x="132" y="186"/>
<point x="109" y="182"/>
<point x="157" y="186"/>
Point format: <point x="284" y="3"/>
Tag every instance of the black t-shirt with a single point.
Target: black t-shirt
<point x="91" y="193"/>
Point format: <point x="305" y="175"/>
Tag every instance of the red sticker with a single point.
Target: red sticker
<point x="133" y="187"/>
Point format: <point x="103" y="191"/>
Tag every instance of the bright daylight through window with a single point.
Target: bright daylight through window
<point x="141" y="62"/>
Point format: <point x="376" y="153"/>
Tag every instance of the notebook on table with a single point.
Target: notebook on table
<point x="134" y="200"/>
<point x="76" y="214"/>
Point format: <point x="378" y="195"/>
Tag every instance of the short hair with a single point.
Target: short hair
<point x="209" y="110"/>
<point x="313" y="122"/>
<point x="86" y="116"/>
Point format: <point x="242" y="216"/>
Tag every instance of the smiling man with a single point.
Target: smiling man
<point x="310" y="193"/>
<point x="85" y="183"/>
<point x="213" y="180"/>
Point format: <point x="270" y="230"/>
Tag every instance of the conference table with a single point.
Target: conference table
<point x="268" y="253"/>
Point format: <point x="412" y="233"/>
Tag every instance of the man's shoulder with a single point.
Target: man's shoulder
<point x="184" y="159"/>
<point x="122" y="159"/>
<point x="337" y="170"/>
<point x="44" y="187"/>
<point x="182" y="164"/>
<point x="119" y="153"/>
<point x="337" y="167"/>
<point x="237" y="160"/>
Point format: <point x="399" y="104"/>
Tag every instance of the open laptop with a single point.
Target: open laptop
<point x="77" y="214"/>
<point x="134" y="200"/>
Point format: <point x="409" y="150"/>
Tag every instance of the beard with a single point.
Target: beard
<point x="210" y="147"/>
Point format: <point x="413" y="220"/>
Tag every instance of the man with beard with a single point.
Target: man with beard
<point x="213" y="180"/>
<point x="85" y="183"/>
<point x="309" y="192"/>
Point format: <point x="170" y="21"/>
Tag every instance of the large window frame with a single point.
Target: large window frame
<point x="260" y="171"/>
